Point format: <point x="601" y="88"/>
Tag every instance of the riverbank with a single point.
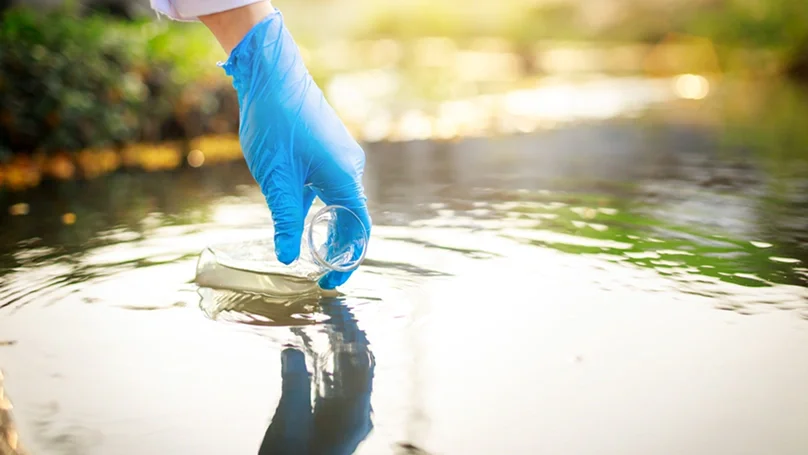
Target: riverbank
<point x="376" y="112"/>
<point x="153" y="97"/>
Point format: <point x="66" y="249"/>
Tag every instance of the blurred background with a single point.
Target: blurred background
<point x="89" y="87"/>
<point x="646" y="149"/>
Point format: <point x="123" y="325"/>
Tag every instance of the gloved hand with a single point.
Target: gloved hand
<point x="294" y="143"/>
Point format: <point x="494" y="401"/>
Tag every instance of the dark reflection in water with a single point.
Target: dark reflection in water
<point x="340" y="418"/>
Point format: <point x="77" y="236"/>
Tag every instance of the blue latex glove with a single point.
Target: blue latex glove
<point x="294" y="143"/>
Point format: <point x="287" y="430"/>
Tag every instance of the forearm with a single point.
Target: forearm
<point x="229" y="27"/>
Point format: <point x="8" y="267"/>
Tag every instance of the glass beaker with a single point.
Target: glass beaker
<point x="334" y="239"/>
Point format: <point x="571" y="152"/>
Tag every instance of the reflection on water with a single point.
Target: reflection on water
<point x="519" y="291"/>
<point x="340" y="417"/>
<point x="259" y="309"/>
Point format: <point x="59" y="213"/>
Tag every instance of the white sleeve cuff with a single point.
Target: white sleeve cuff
<point x="190" y="10"/>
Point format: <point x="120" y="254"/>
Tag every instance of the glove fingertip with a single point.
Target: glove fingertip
<point x="287" y="248"/>
<point x="334" y="279"/>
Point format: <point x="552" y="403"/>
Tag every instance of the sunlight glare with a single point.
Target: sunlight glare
<point x="415" y="125"/>
<point x="691" y="86"/>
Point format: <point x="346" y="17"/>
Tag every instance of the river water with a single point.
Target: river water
<point x="626" y="286"/>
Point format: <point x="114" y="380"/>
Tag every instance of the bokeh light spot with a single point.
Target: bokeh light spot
<point x="691" y="86"/>
<point x="19" y="209"/>
<point x="196" y="158"/>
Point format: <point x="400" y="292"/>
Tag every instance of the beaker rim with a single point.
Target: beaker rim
<point x="315" y="251"/>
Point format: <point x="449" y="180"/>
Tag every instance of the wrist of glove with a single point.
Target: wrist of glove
<point x="294" y="143"/>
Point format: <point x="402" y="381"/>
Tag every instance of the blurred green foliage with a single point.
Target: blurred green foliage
<point x="780" y="26"/>
<point x="190" y="48"/>
<point x="415" y="22"/>
<point x="68" y="83"/>
<point x="752" y="23"/>
<point x="65" y="83"/>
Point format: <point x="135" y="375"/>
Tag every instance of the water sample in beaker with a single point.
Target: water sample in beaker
<point x="334" y="239"/>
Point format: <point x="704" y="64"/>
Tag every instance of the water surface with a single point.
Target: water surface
<point x="609" y="287"/>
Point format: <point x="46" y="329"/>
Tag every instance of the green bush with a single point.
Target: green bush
<point x="65" y="83"/>
<point x="68" y="83"/>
